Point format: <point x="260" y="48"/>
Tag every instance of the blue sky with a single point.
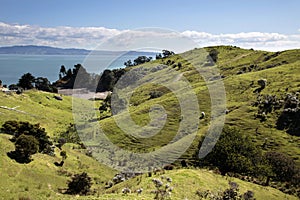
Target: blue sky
<point x="203" y="16"/>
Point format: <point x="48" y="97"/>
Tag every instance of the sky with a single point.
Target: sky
<point x="259" y="24"/>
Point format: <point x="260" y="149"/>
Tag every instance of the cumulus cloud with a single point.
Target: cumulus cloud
<point x="63" y="36"/>
<point x="256" y="40"/>
<point x="90" y="37"/>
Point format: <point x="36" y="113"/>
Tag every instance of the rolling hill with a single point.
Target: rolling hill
<point x="238" y="69"/>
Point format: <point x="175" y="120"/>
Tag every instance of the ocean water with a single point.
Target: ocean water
<point x="12" y="66"/>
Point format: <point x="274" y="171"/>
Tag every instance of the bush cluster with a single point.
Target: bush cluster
<point x="236" y="154"/>
<point x="28" y="139"/>
<point x="232" y="193"/>
<point x="79" y="184"/>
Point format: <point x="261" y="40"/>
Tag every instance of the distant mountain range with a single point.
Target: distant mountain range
<point x="47" y="50"/>
<point x="42" y="50"/>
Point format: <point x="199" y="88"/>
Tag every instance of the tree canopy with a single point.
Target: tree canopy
<point x="26" y="81"/>
<point x="234" y="152"/>
<point x="18" y="128"/>
<point x="80" y="184"/>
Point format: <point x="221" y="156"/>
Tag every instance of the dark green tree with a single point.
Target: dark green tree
<point x="25" y="146"/>
<point x="158" y="56"/>
<point x="118" y="73"/>
<point x="63" y="70"/>
<point x="128" y="63"/>
<point x="13" y="87"/>
<point x="283" y="167"/>
<point x="167" y="53"/>
<point x="26" y="81"/>
<point x="234" y="152"/>
<point x="43" y="84"/>
<point x="141" y="60"/>
<point x="106" y="81"/>
<point x="69" y="73"/>
<point x="80" y="184"/>
<point x="17" y="128"/>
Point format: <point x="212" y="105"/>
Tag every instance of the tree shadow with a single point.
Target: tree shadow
<point x="19" y="157"/>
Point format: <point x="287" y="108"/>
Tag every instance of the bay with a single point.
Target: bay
<point x="13" y="66"/>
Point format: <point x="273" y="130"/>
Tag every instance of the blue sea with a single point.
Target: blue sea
<point x="13" y="66"/>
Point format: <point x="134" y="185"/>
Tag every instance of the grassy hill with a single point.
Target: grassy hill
<point x="240" y="70"/>
<point x="40" y="178"/>
<point x="186" y="182"/>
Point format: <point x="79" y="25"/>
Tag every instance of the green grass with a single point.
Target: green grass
<point x="52" y="114"/>
<point x="40" y="178"/>
<point x="187" y="181"/>
<point x="239" y="97"/>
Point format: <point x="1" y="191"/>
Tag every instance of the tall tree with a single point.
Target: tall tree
<point x="69" y="73"/>
<point x="42" y="83"/>
<point x="234" y="152"/>
<point x="80" y="184"/>
<point x="167" y="53"/>
<point x="26" y="81"/>
<point x="63" y="70"/>
<point x="106" y="81"/>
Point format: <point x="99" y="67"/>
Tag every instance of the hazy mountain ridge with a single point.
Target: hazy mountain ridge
<point x="48" y="50"/>
<point x="42" y="50"/>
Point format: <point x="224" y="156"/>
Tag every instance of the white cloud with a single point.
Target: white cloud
<point x="91" y="37"/>
<point x="256" y="40"/>
<point x="63" y="36"/>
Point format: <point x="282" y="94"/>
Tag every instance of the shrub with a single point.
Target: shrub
<point x="25" y="146"/>
<point x="80" y="184"/>
<point x="167" y="53"/>
<point x="283" y="167"/>
<point x="44" y="84"/>
<point x="17" y="128"/>
<point x="234" y="152"/>
<point x="232" y="193"/>
<point x="289" y="119"/>
<point x="10" y="127"/>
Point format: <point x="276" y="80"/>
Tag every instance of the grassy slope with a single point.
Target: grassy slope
<point x="240" y="95"/>
<point x="41" y="179"/>
<point x="281" y="72"/>
<point x="52" y="114"/>
<point x="187" y="181"/>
